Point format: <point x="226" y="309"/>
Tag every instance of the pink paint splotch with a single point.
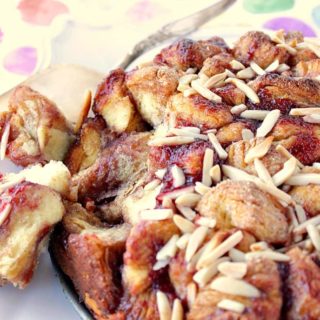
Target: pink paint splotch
<point x="144" y="10"/>
<point x="21" y="61"/>
<point x="41" y="12"/>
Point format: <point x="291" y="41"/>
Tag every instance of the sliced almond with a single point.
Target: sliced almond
<point x="217" y="146"/>
<point x="254" y="114"/>
<point x="314" y="235"/>
<point x="268" y="254"/>
<point x="262" y="171"/>
<point x="177" y="310"/>
<point x="206" y="166"/>
<point x="235" y="270"/>
<point x="187" y="78"/>
<point x="5" y="213"/>
<point x="268" y="123"/>
<point x="183" y="241"/>
<point x="237" y="65"/>
<point x="169" y="249"/>
<point x="160" y="173"/>
<point x="187" y="212"/>
<point x="207" y="222"/>
<point x="189" y="133"/>
<point x="237" y="255"/>
<point x="238" y="109"/>
<point x="183" y="224"/>
<point x="176" y="193"/>
<point x="259" y="246"/>
<point x="220" y="250"/>
<point x="273" y="66"/>
<point x="259" y="150"/>
<point x="235" y="287"/>
<point x="287" y="154"/>
<point x="160" y="264"/>
<point x="178" y="176"/>
<point x="248" y="91"/>
<point x="170" y="141"/>
<point x="231" y="305"/>
<point x="303" y="179"/>
<point x="205" y="92"/>
<point x="312" y="118"/>
<point x="247" y="134"/>
<point x="257" y="69"/>
<point x="291" y="50"/>
<point x="189" y="92"/>
<point x="246" y="73"/>
<point x="196" y="240"/>
<point x="152" y="185"/>
<point x="188" y="200"/>
<point x="201" y="188"/>
<point x="215" y="173"/>
<point x="282" y="67"/>
<point x="304" y="111"/>
<point x="163" y="305"/>
<point x="303" y="226"/>
<point x="156" y="214"/>
<point x="286" y="172"/>
<point x="4" y="141"/>
<point x="214" y="80"/>
<point x="191" y="294"/>
<point x="301" y="214"/>
<point x="167" y="203"/>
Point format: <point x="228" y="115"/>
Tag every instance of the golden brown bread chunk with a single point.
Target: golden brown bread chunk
<point x="90" y="254"/>
<point x="303" y="92"/>
<point x="237" y="151"/>
<point x="115" y="103"/>
<point x="300" y="138"/>
<point x="142" y="245"/>
<point x="151" y="87"/>
<point x="257" y="46"/>
<point x="38" y="130"/>
<point x="303" y="285"/>
<point x="122" y="161"/>
<point x="309" y="69"/>
<point x="186" y="53"/>
<point x="28" y="213"/>
<point x="308" y="195"/>
<point x="264" y="275"/>
<point x="217" y="64"/>
<point x="92" y="138"/>
<point x="243" y="205"/>
<point x="199" y="112"/>
<point x="230" y="94"/>
<point x="233" y="132"/>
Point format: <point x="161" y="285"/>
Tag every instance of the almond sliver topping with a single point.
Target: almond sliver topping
<point x="267" y="254"/>
<point x="254" y="114"/>
<point x="177" y="310"/>
<point x="170" y="141"/>
<point x="283" y="67"/>
<point x="4" y="141"/>
<point x="152" y="184"/>
<point x="314" y="235"/>
<point x="236" y="65"/>
<point x="163" y="305"/>
<point x="247" y="134"/>
<point x="195" y="241"/>
<point x="287" y="154"/>
<point x="189" y="92"/>
<point x="302" y="227"/>
<point x="220" y="250"/>
<point x="214" y="80"/>
<point x="160" y="173"/>
<point x="169" y="249"/>
<point x="273" y="66"/>
<point x="206" y="166"/>
<point x="188" y="200"/>
<point x="183" y="224"/>
<point x="201" y="188"/>
<point x="176" y="193"/>
<point x="187" y="132"/>
<point x="178" y="176"/>
<point x="301" y="214"/>
<point x="187" y="212"/>
<point x="235" y="287"/>
<point x="237" y="255"/>
<point x="160" y="264"/>
<point x="312" y="118"/>
<point x="207" y="222"/>
<point x="238" y="108"/>
<point x="268" y="123"/>
<point x="303" y="179"/>
<point x="257" y="69"/>
<point x="259" y="150"/>
<point x="191" y="294"/>
<point x="205" y="92"/>
<point x="246" y="73"/>
<point x="304" y="111"/>
<point x="291" y="50"/>
<point x="187" y="78"/>
<point x="203" y="276"/>
<point x="217" y="146"/>
<point x="215" y="173"/>
<point x="5" y="213"/>
<point x="231" y="305"/>
<point x="286" y="172"/>
<point x="262" y="172"/>
<point x="156" y="214"/>
<point x="249" y="92"/>
<point x="235" y="270"/>
<point x="183" y="240"/>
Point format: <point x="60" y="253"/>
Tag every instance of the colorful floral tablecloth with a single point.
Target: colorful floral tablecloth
<point x="97" y="34"/>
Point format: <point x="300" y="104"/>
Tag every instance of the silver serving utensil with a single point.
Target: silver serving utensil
<point x="178" y="28"/>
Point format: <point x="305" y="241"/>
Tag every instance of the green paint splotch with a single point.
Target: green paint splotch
<point x="265" y="6"/>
